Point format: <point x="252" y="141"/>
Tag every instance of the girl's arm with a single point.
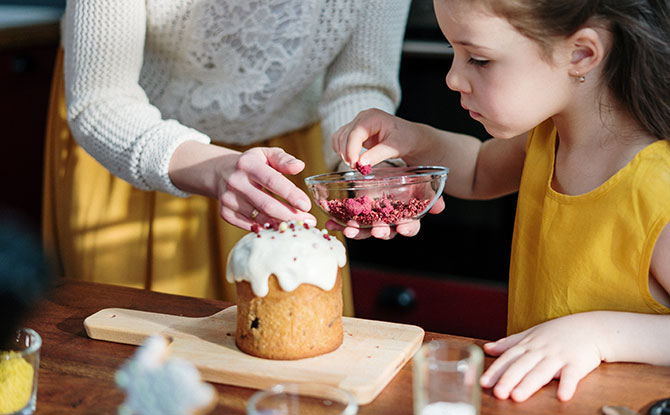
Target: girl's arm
<point x="477" y="170"/>
<point x="570" y="347"/>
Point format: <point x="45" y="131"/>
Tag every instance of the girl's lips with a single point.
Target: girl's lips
<point x="473" y="114"/>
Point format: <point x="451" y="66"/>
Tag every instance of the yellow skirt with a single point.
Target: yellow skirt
<point x="99" y="228"/>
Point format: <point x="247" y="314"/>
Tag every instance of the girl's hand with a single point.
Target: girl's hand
<point x="247" y="183"/>
<point x="384" y="231"/>
<point x="384" y="135"/>
<point x="565" y="348"/>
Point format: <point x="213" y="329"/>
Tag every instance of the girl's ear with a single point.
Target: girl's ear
<point x="587" y="50"/>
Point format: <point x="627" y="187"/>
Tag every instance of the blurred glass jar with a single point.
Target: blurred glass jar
<point x="19" y="365"/>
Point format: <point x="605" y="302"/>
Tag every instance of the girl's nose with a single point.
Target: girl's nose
<point x="455" y="80"/>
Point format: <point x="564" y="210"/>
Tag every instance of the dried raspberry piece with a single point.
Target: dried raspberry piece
<point x="368" y="212"/>
<point x="364" y="169"/>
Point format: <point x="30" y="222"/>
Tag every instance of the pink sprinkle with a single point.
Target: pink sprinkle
<point x="326" y="236"/>
<point x="305" y="225"/>
<point x="367" y="212"/>
<point x="255" y="228"/>
<point x="364" y="169"/>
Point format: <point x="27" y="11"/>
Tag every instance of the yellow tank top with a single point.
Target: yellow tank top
<point x="572" y="254"/>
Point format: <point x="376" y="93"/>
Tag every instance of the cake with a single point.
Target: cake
<point x="289" y="291"/>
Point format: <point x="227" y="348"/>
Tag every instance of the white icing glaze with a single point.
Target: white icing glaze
<point x="295" y="256"/>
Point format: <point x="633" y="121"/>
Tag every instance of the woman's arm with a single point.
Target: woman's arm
<point x="109" y="113"/>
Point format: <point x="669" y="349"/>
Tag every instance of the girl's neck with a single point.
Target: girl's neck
<point x="595" y="140"/>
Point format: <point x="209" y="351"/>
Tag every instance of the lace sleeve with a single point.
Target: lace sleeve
<point x="109" y="113"/>
<point x="365" y="74"/>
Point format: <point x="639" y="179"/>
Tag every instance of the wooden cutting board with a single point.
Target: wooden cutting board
<point x="370" y="356"/>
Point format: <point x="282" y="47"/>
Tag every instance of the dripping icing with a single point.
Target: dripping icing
<point x="272" y="249"/>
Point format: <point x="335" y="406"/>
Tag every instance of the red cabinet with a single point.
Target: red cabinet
<point x="440" y="304"/>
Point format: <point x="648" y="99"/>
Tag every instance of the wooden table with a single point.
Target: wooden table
<point x="77" y="373"/>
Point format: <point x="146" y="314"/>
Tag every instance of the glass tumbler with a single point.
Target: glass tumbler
<point x="446" y="378"/>
<point x="19" y="364"/>
<point x="302" y="398"/>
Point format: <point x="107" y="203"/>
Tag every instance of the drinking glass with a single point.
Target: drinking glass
<point x="446" y="378"/>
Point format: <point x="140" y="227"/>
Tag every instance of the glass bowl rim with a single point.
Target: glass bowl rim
<point x="400" y="176"/>
<point x="348" y="399"/>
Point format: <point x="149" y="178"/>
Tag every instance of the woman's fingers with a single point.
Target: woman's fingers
<point x="262" y="176"/>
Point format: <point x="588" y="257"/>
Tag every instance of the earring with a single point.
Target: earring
<point x="581" y="78"/>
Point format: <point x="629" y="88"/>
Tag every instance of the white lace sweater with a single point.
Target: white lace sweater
<point x="143" y="76"/>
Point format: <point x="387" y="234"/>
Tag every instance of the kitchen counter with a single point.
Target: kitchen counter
<point x="77" y="373"/>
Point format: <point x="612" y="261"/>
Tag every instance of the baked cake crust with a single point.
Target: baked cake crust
<point x="305" y="322"/>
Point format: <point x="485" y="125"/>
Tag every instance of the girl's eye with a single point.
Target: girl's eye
<point x="478" y="62"/>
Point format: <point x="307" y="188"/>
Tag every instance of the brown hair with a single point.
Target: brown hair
<point x="637" y="68"/>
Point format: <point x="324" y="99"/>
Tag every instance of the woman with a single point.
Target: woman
<point x="179" y="111"/>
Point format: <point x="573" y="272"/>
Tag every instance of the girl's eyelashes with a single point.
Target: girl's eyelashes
<point x="478" y="62"/>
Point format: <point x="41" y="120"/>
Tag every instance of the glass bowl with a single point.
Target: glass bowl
<point x="302" y="398"/>
<point x="386" y="196"/>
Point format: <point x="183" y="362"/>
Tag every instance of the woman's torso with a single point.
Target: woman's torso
<point x="240" y="70"/>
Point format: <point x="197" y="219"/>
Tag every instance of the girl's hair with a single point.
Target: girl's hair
<point x="637" y="68"/>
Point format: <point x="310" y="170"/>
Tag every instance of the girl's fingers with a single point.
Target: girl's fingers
<point x="536" y="378"/>
<point x="354" y="142"/>
<point x="355" y="233"/>
<point x="409" y="229"/>
<point x="438" y="206"/>
<point x="570" y="377"/>
<point x="514" y="370"/>
<point x="499" y="366"/>
<point x="382" y="232"/>
<point x="377" y="154"/>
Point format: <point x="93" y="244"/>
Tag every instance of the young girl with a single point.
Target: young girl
<point x="576" y="96"/>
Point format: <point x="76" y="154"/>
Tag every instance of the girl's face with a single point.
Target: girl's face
<point x="505" y="81"/>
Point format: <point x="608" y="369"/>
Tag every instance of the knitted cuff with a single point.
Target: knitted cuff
<point x="157" y="152"/>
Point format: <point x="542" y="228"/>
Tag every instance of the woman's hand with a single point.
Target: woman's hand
<point x="248" y="183"/>
<point x="245" y="184"/>
<point x="565" y="348"/>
